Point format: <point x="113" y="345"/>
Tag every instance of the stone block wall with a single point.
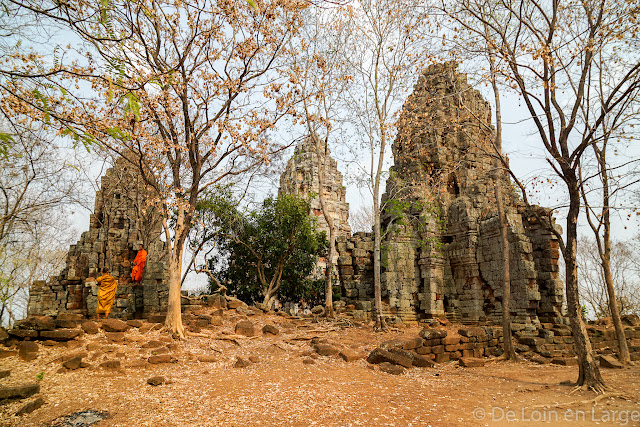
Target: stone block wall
<point x="121" y="218"/>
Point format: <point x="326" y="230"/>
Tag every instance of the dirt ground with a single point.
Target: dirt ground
<point x="281" y="389"/>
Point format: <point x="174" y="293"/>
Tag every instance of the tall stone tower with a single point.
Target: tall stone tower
<point x="121" y="218"/>
<point x="442" y="255"/>
<point x="301" y="179"/>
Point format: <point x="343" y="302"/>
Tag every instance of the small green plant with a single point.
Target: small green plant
<point x="40" y="376"/>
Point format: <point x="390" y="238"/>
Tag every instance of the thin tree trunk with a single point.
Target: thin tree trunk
<point x="605" y="257"/>
<point x="509" y="350"/>
<point x="328" y="288"/>
<point x="173" y="321"/>
<point x="589" y="374"/>
<point x="380" y="323"/>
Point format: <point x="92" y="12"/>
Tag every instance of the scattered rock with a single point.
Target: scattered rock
<point x="66" y="323"/>
<point x="318" y="310"/>
<point x="326" y="349"/>
<point x="233" y="303"/>
<point x="4" y="335"/>
<point x="36" y="323"/>
<point x="565" y="361"/>
<point x="216" y="320"/>
<point x="205" y="358"/>
<point x="308" y="361"/>
<point x="110" y="364"/>
<point x="115" y="336"/>
<point x="30" y="407"/>
<point x="241" y="363"/>
<point x="422" y="362"/>
<point x="28" y="350"/>
<point x="73" y="363"/>
<point x="390" y="368"/>
<point x="61" y="334"/>
<point x="246" y="328"/>
<point x="49" y="343"/>
<point x="270" y="329"/>
<point x="540" y="360"/>
<point x="152" y="344"/>
<point x="156" y="381"/>
<point x="379" y="355"/>
<point x="161" y="358"/>
<point x="349" y="355"/>
<point x="5" y="373"/>
<point x="254" y="359"/>
<point x="19" y="392"/>
<point x="610" y="362"/>
<point x="471" y="362"/>
<point x="23" y="333"/>
<point x="135" y="323"/>
<point x="114" y="325"/>
<point x="430" y="334"/>
<point x="90" y="327"/>
<point x="7" y="353"/>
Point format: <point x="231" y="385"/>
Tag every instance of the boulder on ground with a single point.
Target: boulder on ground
<point x="241" y="363"/>
<point x="324" y="349"/>
<point x="471" y="362"/>
<point x="270" y="329"/>
<point x="30" y="407"/>
<point x="73" y="363"/>
<point x="152" y="344"/>
<point x="36" y="323"/>
<point x="5" y="373"/>
<point x="233" y="303"/>
<point x="379" y="355"/>
<point x="90" y="327"/>
<point x="156" y="381"/>
<point x="349" y="355"/>
<point x="19" y="392"/>
<point x="390" y="368"/>
<point x="565" y="361"/>
<point x="28" y="350"/>
<point x="161" y="358"/>
<point x="610" y="362"/>
<point x="207" y="358"/>
<point x="61" y="334"/>
<point x="135" y="323"/>
<point x="110" y="364"/>
<point x="114" y="325"/>
<point x="246" y="328"/>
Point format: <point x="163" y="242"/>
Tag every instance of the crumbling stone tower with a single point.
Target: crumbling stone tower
<point x="121" y="217"/>
<point x="442" y="255"/>
<point x="301" y="178"/>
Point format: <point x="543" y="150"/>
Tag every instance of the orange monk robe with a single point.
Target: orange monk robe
<point x="138" y="265"/>
<point x="106" y="293"/>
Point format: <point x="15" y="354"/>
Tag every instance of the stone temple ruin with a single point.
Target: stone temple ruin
<point x="441" y="255"/>
<point x="121" y="218"/>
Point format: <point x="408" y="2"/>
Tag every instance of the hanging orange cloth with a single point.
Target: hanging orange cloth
<point x="138" y="265"/>
<point x="106" y="293"/>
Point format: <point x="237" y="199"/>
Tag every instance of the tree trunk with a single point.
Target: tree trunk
<point x="509" y="350"/>
<point x="589" y="373"/>
<point x="380" y="324"/>
<point x="328" y="288"/>
<point x="605" y="257"/>
<point x="173" y="321"/>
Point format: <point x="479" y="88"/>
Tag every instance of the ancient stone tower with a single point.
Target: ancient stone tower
<point x="442" y="256"/>
<point x="301" y="178"/>
<point x="121" y="218"/>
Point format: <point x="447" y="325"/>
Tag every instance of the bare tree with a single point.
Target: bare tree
<point x="37" y="186"/>
<point x="385" y="58"/>
<point x="187" y="97"/>
<point x="550" y="50"/>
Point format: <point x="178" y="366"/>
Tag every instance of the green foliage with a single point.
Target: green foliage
<point x="40" y="376"/>
<point x="276" y="246"/>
